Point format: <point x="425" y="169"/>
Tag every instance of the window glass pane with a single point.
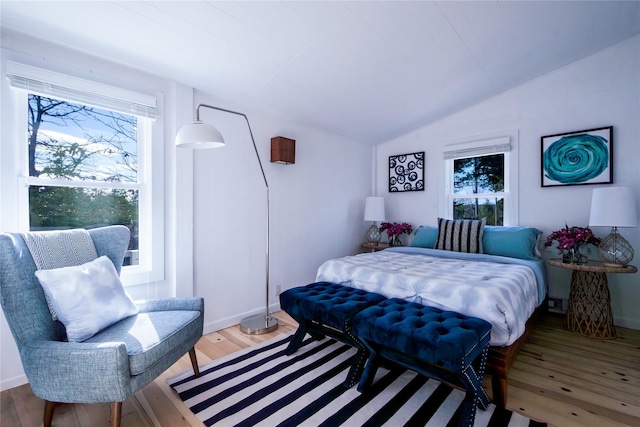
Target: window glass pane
<point x="491" y="208"/>
<point x="78" y="142"/>
<point x="55" y="208"/>
<point x="479" y="175"/>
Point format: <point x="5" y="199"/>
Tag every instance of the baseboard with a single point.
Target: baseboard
<point x="626" y="322"/>
<point x="13" y="382"/>
<point x="219" y="324"/>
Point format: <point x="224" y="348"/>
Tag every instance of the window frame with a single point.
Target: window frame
<point x="492" y="195"/>
<point x="501" y="143"/>
<point x="150" y="183"/>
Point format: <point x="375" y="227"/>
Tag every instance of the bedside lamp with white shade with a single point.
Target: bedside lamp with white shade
<point x="614" y="207"/>
<point x="374" y="211"/>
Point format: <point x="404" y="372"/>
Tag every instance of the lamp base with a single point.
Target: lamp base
<point x="258" y="325"/>
<point x="373" y="234"/>
<point x="614" y="250"/>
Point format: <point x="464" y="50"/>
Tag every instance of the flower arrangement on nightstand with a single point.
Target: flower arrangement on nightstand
<point x="570" y="241"/>
<point x="394" y="231"/>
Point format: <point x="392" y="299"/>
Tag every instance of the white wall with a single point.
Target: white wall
<point x="316" y="208"/>
<point x="177" y="107"/>
<point x="597" y="91"/>
<point x="316" y="204"/>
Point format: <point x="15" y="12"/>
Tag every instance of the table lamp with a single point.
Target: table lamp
<point x="614" y="207"/>
<point x="374" y="211"/>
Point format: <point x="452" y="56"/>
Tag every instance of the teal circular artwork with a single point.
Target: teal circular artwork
<point x="576" y="159"/>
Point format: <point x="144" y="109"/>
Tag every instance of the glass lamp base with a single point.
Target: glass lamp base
<point x="373" y="234"/>
<point x="614" y="250"/>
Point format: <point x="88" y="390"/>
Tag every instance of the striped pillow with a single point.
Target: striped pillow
<point x="460" y="235"/>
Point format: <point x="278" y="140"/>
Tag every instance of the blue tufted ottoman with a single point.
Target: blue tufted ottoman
<point x="327" y="309"/>
<point x="440" y="344"/>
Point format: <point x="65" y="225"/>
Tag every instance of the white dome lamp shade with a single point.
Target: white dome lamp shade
<point x="199" y="135"/>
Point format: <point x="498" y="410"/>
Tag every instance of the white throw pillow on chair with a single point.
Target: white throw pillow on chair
<point x="87" y="298"/>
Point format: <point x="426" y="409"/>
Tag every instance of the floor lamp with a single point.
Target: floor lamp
<point x="199" y="135"/>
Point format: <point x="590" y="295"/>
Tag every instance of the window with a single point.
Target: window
<point x="478" y="188"/>
<point x="478" y="181"/>
<point x="83" y="167"/>
<point x="84" y="153"/>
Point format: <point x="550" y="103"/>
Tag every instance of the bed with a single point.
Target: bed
<point x="505" y="284"/>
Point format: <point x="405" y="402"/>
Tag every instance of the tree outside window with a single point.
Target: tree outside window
<point x="84" y="160"/>
<point x="478" y="188"/>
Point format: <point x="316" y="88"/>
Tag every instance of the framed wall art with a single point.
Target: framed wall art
<point x="578" y="158"/>
<point x="406" y="172"/>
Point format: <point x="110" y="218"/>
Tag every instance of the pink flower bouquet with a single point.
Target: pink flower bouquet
<point x="571" y="237"/>
<point x="395" y="230"/>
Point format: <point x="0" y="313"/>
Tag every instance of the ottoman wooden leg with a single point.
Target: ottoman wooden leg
<point x="296" y="341"/>
<point x="355" y="372"/>
<point x="325" y="309"/>
<point x="369" y="371"/>
<point x="403" y="332"/>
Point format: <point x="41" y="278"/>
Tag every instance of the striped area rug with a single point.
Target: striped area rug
<point x="261" y="386"/>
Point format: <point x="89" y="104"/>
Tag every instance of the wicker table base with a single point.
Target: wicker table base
<point x="589" y="312"/>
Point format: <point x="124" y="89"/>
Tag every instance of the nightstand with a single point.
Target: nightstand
<point x="589" y="312"/>
<point x="375" y="247"/>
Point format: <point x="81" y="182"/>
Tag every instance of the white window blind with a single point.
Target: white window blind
<point x="74" y="89"/>
<point x="478" y="148"/>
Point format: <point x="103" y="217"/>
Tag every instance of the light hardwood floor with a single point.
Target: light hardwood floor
<point x="559" y="377"/>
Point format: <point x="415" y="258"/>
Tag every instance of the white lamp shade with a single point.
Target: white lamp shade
<point x="199" y="135"/>
<point x="613" y="207"/>
<point x="374" y="209"/>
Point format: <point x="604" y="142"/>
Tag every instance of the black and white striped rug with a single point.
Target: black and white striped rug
<point x="261" y="386"/>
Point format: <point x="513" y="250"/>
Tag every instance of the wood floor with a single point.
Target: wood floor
<point x="560" y="378"/>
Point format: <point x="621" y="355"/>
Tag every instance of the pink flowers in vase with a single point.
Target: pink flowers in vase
<point x="571" y="237"/>
<point x="395" y="230"/>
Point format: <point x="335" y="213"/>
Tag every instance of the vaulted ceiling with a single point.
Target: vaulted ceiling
<point x="368" y="70"/>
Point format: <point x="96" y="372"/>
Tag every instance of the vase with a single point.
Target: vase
<point x="394" y="240"/>
<point x="573" y="256"/>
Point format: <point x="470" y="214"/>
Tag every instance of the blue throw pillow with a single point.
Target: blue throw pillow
<point x="425" y="237"/>
<point x="513" y="242"/>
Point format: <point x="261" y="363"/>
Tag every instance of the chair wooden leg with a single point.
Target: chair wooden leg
<point x="48" y="413"/>
<point x="194" y="362"/>
<point x="116" y="414"/>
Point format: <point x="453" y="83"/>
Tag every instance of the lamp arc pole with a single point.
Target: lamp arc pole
<point x="258" y="324"/>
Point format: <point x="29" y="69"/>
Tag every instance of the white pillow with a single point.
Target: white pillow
<point x="87" y="298"/>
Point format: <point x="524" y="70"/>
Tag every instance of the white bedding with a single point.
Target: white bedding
<point x="504" y="294"/>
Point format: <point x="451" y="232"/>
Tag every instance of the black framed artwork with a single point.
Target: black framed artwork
<point x="577" y="158"/>
<point x="406" y="172"/>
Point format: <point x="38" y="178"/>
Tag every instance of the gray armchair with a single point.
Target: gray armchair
<point x="111" y="365"/>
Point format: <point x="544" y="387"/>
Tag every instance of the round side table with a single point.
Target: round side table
<point x="375" y="247"/>
<point x="589" y="312"/>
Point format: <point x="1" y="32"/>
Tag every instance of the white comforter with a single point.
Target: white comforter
<point x="501" y="293"/>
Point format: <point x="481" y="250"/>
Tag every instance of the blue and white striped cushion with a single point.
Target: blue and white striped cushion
<point x="460" y="235"/>
<point x="57" y="249"/>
